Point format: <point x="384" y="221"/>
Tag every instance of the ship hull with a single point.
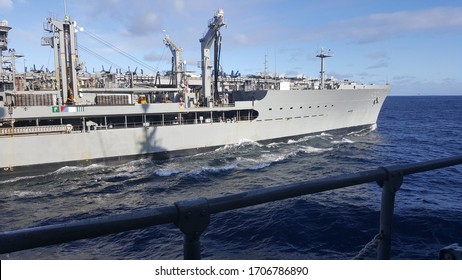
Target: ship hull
<point x="281" y="114"/>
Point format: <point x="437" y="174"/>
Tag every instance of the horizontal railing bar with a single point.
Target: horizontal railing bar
<point x="255" y="197"/>
<point x="265" y="195"/>
<point x="11" y="241"/>
<point x="412" y="168"/>
<point x="34" y="237"/>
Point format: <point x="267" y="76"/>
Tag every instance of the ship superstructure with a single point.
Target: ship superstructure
<point x="71" y="117"/>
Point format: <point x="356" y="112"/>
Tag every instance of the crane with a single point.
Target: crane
<point x="212" y="35"/>
<point x="62" y="39"/>
<point x="177" y="62"/>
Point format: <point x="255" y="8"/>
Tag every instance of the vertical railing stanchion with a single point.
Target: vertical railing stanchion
<point x="193" y="218"/>
<point x="389" y="188"/>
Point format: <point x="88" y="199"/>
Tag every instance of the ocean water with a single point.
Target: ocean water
<point x="330" y="225"/>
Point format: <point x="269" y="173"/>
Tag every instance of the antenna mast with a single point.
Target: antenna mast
<point x="266" y="71"/>
<point x="322" y="55"/>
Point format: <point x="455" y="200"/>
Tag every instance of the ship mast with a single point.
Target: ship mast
<point x="213" y="34"/>
<point x="322" y="55"/>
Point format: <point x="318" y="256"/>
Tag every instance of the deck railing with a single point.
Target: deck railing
<point x="192" y="217"/>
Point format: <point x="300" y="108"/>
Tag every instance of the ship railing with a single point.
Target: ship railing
<point x="192" y="217"/>
<point x="173" y="119"/>
<point x="64" y="128"/>
<point x="225" y="105"/>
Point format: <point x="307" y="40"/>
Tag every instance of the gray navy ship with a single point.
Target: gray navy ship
<point x="70" y="117"/>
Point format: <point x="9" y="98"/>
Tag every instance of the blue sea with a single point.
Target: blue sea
<point x="328" y="226"/>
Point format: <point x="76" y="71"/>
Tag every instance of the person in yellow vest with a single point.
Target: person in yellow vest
<point x="142" y="100"/>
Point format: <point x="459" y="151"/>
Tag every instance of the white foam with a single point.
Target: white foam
<point x="22" y="194"/>
<point x="305" y="138"/>
<point x="211" y="170"/>
<point x="344" y="140"/>
<point x="314" y="150"/>
<point x="259" y="166"/>
<point x="17" y="179"/>
<point x="220" y="169"/>
<point x="263" y="161"/>
<point x="363" y="131"/>
<point x="68" y="169"/>
<point x="166" y="173"/>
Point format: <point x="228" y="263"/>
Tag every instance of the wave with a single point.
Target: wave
<point x="167" y="173"/>
<point x="302" y="139"/>
<point x="260" y="166"/>
<point x="278" y="152"/>
<point x="264" y="160"/>
<point x="60" y="171"/>
<point x="133" y="167"/>
<point x="314" y="150"/>
<point x="240" y="144"/>
<point x="184" y="171"/>
<point x="211" y="170"/>
<point x="73" y="169"/>
<point x="18" y="179"/>
<point x="363" y="131"/>
<point x="28" y="194"/>
<point x="342" y="141"/>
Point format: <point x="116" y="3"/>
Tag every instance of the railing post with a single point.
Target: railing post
<point x="193" y="218"/>
<point x="389" y="188"/>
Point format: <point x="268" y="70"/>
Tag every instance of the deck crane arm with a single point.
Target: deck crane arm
<point x="206" y="42"/>
<point x="177" y="60"/>
<point x="62" y="39"/>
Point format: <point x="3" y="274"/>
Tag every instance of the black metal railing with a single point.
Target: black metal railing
<point x="192" y="217"/>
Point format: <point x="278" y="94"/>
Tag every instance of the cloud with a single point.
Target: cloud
<point x="143" y="23"/>
<point x="340" y="76"/>
<point x="381" y="59"/>
<point x="179" y="6"/>
<point x="404" y="78"/>
<point x="365" y="75"/>
<point x="241" y="39"/>
<point x="449" y="80"/>
<point x="6" y="4"/>
<point x="378" y="55"/>
<point x="130" y="18"/>
<point x="380" y="64"/>
<point x="378" y="27"/>
<point x="154" y="56"/>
